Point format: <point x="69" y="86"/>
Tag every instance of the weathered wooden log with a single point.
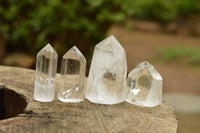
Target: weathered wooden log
<point x="21" y="114"/>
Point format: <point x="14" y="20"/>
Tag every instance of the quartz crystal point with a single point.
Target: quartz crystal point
<point x="144" y="85"/>
<point x="45" y="75"/>
<point x="107" y="76"/>
<point x="72" y="76"/>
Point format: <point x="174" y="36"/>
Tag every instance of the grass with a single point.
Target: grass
<point x="175" y="53"/>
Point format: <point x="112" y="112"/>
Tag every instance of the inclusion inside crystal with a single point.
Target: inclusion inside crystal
<point x="107" y="76"/>
<point x="145" y="86"/>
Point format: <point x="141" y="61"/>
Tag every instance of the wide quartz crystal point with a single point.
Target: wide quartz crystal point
<point x="107" y="76"/>
<point x="144" y="85"/>
<point x="72" y="76"/>
<point x="45" y="75"/>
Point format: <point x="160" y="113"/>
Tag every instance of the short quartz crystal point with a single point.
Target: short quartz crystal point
<point x="144" y="85"/>
<point x="107" y="76"/>
<point x="72" y="76"/>
<point x="45" y="75"/>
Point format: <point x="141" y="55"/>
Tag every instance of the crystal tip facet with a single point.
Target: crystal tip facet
<point x="111" y="44"/>
<point x="48" y="47"/>
<point x="145" y="64"/>
<point x="73" y="49"/>
<point x="112" y="37"/>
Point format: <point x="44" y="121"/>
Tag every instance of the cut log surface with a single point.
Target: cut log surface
<point x="20" y="113"/>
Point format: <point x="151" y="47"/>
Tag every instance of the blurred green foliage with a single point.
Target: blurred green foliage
<point x="162" y="11"/>
<point x="30" y="24"/>
<point x="180" y="52"/>
<point x="188" y="7"/>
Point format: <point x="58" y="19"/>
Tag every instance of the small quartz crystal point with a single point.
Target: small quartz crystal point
<point x="72" y="76"/>
<point x="45" y="75"/>
<point x="107" y="76"/>
<point x="144" y="85"/>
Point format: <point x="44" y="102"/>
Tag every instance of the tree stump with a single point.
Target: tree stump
<point x="20" y="113"/>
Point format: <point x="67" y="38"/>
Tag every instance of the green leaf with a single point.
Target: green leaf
<point x="95" y="3"/>
<point x="11" y="13"/>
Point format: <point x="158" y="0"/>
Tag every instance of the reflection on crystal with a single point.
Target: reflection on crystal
<point x="107" y="76"/>
<point x="72" y="76"/>
<point x="145" y="86"/>
<point x="46" y="67"/>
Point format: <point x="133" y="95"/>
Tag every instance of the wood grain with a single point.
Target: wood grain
<point x="84" y="117"/>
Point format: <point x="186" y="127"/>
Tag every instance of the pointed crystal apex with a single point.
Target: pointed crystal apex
<point x="48" y="47"/>
<point x="74" y="48"/>
<point x="145" y="64"/>
<point x="144" y="86"/>
<point x="111" y="44"/>
<point x="74" y="53"/>
<point x="73" y="74"/>
<point x="107" y="76"/>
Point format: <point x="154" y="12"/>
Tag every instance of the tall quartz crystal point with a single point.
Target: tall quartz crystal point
<point x="45" y="75"/>
<point x="72" y="76"/>
<point x="145" y="86"/>
<point x="107" y="76"/>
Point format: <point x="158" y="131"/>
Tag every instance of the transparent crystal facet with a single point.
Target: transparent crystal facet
<point x="45" y="75"/>
<point x="144" y="85"/>
<point x="72" y="76"/>
<point x="107" y="76"/>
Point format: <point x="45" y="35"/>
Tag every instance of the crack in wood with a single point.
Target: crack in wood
<point x="11" y="103"/>
<point x="2" y="110"/>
